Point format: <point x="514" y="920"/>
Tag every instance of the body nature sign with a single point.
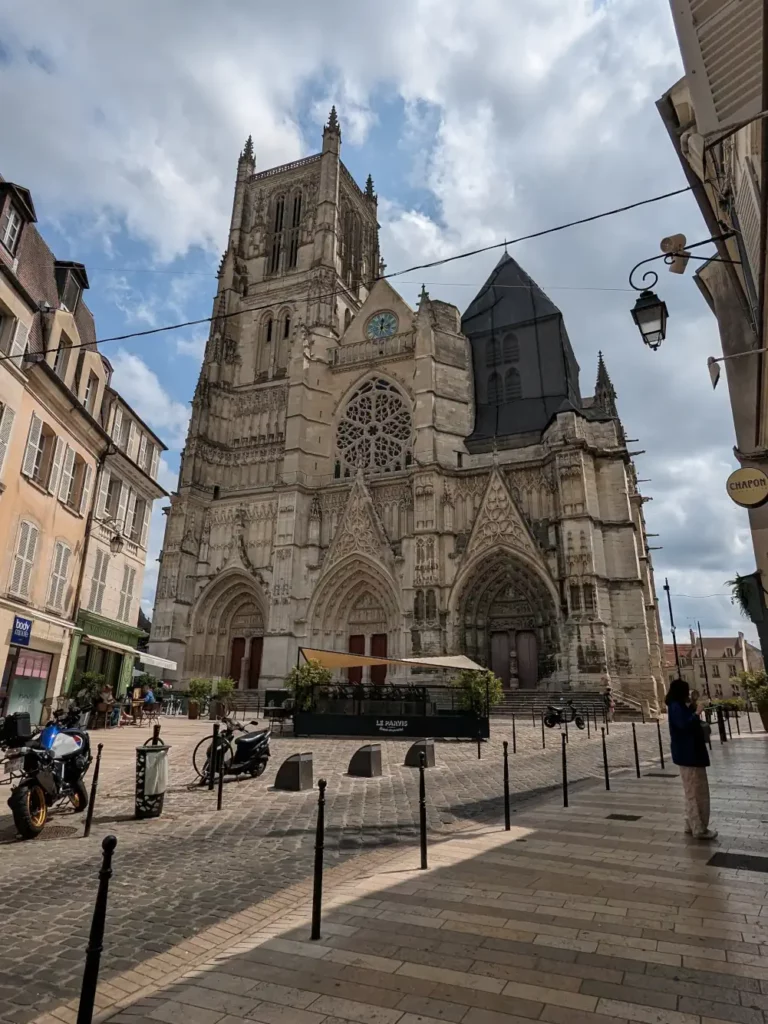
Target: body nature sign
<point x="748" y="487"/>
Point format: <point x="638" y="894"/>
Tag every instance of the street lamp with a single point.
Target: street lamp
<point x="116" y="544"/>
<point x="650" y="314"/>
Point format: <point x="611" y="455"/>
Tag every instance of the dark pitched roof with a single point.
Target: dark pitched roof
<point x="511" y="296"/>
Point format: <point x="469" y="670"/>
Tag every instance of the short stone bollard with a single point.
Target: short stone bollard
<point x="365" y="763"/>
<point x="295" y="774"/>
<point x="413" y="757"/>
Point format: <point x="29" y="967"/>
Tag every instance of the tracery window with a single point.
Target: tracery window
<point x="512" y="388"/>
<point x="494" y="389"/>
<point x="511" y="348"/>
<point x="375" y="431"/>
<point x="491" y="352"/>
<point x="284" y="221"/>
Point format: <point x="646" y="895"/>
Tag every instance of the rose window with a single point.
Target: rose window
<point x="374" y="433"/>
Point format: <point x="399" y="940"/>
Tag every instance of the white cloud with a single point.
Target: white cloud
<point x="141" y="388"/>
<point x="192" y="347"/>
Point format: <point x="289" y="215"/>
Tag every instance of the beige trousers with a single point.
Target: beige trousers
<point x="696" y="789"/>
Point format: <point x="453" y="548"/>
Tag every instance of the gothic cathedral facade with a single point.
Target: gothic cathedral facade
<point x="362" y="476"/>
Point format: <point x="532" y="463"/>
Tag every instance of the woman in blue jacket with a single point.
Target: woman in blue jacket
<point x="689" y="753"/>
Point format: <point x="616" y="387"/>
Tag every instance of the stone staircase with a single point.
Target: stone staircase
<point x="531" y="703"/>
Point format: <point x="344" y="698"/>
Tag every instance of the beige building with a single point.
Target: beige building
<point x="713" y="119"/>
<point x="55" y="454"/>
<point x="724" y="658"/>
<point x="361" y="475"/>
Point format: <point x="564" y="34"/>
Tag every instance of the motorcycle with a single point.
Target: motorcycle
<point x="45" y="768"/>
<point x="563" y="713"/>
<point x="243" y="755"/>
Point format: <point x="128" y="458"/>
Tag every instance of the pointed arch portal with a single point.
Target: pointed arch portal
<point x="507" y="619"/>
<point x="228" y="635"/>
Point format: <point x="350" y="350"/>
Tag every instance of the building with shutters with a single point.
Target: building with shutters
<point x="713" y="117"/>
<point x="716" y="673"/>
<point x="364" y="476"/>
<point x="59" y="455"/>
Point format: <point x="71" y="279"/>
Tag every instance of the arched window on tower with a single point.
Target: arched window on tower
<point x="418" y="606"/>
<point x="265" y="352"/>
<point x="352" y="248"/>
<point x="293" y="234"/>
<point x="511" y="348"/>
<point x="494" y="389"/>
<point x="284" y="333"/>
<point x="431" y="606"/>
<point x="347" y="318"/>
<point x="512" y="389"/>
<point x="275" y="238"/>
<point x="491" y="352"/>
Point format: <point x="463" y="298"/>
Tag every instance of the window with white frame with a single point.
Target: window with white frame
<point x="126" y="593"/>
<point x="140" y="514"/>
<point x="24" y="559"/>
<point x="98" y="581"/>
<point x="62" y="357"/>
<point x="13" y="338"/>
<point x="91" y="389"/>
<point x="7" y="416"/>
<point x="70" y="292"/>
<point x="42" y="455"/>
<point x="10" y="228"/>
<point x="59" y="573"/>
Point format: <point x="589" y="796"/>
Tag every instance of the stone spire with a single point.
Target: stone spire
<point x="369" y="193"/>
<point x="247" y="153"/>
<point x="605" y="393"/>
<point x="333" y="122"/>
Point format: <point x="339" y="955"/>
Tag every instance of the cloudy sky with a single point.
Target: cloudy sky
<point x="478" y="121"/>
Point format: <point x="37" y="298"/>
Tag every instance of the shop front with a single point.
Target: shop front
<point x="105" y="647"/>
<point x="33" y="656"/>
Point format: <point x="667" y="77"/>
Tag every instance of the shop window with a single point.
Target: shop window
<point x="24" y="559"/>
<point x="59" y="572"/>
<point x="126" y="593"/>
<point x="98" y="581"/>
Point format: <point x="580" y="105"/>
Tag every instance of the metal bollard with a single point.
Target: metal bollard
<point x="728" y="720"/>
<point x="642" y="713"/>
<point x="566" y="731"/>
<point x="479" y="745"/>
<point x="605" y="760"/>
<point x="92" y="799"/>
<point x="565" y="770"/>
<point x="749" y="718"/>
<point x="607" y="726"/>
<point x="543" y="740"/>
<point x="507" y="822"/>
<point x="588" y="723"/>
<point x="721" y="724"/>
<point x="661" y="745"/>
<point x="533" y="717"/>
<point x="423" y="811"/>
<point x="220" y="793"/>
<point x="96" y="937"/>
<point x="156" y="735"/>
<point x="317" y="885"/>
<point x="738" y="727"/>
<point x="212" y="756"/>
<point x="637" y="756"/>
<point x="514" y="735"/>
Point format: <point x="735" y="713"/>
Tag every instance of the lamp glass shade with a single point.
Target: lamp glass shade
<point x="650" y="314"/>
<point x="116" y="544"/>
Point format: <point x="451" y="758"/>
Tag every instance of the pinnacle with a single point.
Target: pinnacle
<point x="333" y="120"/>
<point x="247" y="153"/>
<point x="369" y="193"/>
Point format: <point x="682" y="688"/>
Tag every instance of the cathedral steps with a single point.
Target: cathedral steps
<point x="527" y="703"/>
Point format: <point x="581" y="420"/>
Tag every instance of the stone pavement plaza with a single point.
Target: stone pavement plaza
<point x="572" y="914"/>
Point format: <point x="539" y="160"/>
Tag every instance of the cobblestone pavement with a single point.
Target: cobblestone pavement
<point x="196" y="867"/>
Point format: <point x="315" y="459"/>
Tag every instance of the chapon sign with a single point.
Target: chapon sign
<point x="748" y="487"/>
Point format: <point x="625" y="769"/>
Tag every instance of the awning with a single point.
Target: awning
<point x="340" y="659"/>
<point x="111" y="645"/>
<point x="152" y="659"/>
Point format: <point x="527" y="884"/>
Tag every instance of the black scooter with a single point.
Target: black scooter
<point x="562" y="713"/>
<point x="242" y="755"/>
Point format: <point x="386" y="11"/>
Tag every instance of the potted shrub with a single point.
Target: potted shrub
<point x="222" y="698"/>
<point x="199" y="690"/>
<point x="756" y="685"/>
<point x="475" y="687"/>
<point x="302" y="678"/>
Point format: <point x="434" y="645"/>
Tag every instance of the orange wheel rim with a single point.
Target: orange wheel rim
<point x="36" y="804"/>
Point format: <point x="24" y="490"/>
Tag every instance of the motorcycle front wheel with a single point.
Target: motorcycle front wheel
<point x="580" y="724"/>
<point x="79" y="797"/>
<point x="29" y="809"/>
<point x="550" y="721"/>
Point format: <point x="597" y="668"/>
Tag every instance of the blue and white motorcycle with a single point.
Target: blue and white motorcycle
<point x="46" y="768"/>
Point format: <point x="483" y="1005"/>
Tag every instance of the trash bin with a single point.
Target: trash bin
<point x="151" y="780"/>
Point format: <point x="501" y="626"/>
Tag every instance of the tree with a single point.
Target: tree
<point x="301" y="680"/>
<point x="475" y="688"/>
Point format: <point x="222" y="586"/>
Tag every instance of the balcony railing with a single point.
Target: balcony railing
<point x="372" y="351"/>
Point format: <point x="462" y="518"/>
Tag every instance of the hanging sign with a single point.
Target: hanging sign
<point x="748" y="487"/>
<point x="22" y="631"/>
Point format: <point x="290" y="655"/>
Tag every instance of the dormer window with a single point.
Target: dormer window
<point x="10" y="228"/>
<point x="71" y="279"/>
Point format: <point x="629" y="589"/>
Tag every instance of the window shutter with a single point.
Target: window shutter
<point x="102" y="582"/>
<point x="58" y="454"/>
<point x="19" y="559"/>
<point x="122" y="505"/>
<point x="117" y="424"/>
<point x="720" y="43"/>
<point x="155" y="461"/>
<point x="29" y="559"/>
<point x="67" y="473"/>
<point x="145" y="526"/>
<point x="19" y="343"/>
<point x="85" y="494"/>
<point x="58" y="553"/>
<point x="131" y="440"/>
<point x="101" y="504"/>
<point x="95" y="580"/>
<point x="142" y="450"/>
<point x="123" y="593"/>
<point x="129" y="593"/>
<point x="748" y="214"/>
<point x="33" y="442"/>
<point x="6" y="425"/>
<point x="130" y="513"/>
<point x="65" y="556"/>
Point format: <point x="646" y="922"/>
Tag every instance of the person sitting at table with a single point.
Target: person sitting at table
<point x="148" y="696"/>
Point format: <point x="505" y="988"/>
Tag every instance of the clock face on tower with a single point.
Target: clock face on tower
<point x="381" y="325"/>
